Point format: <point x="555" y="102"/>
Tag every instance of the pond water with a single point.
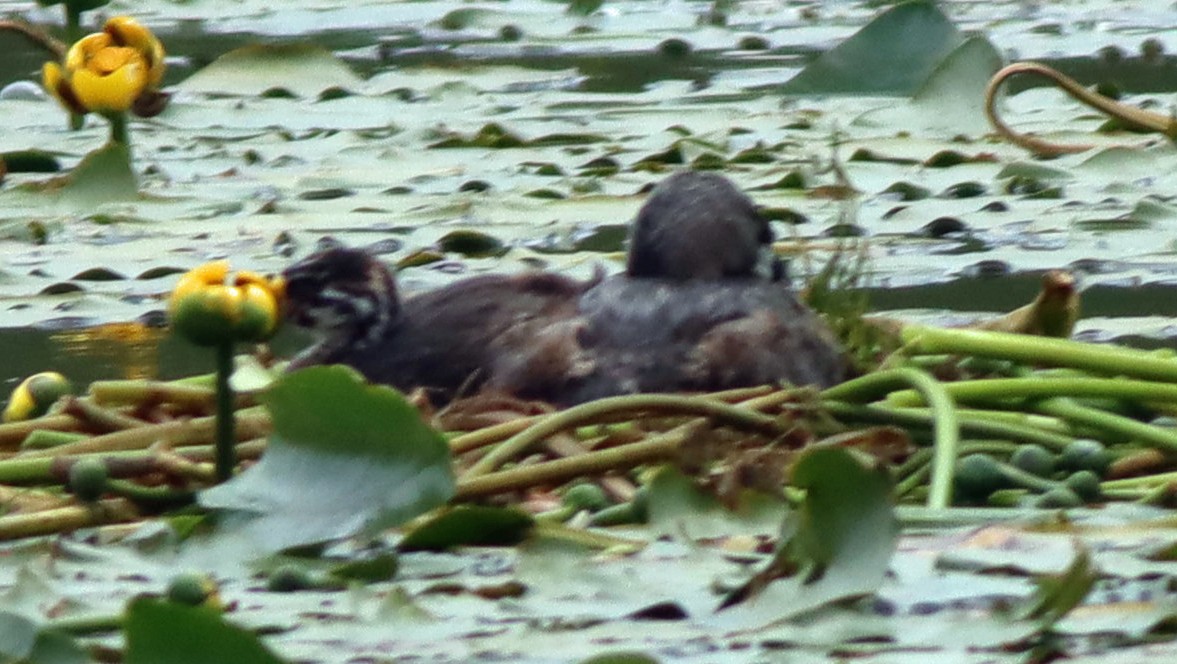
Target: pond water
<point x="384" y="144"/>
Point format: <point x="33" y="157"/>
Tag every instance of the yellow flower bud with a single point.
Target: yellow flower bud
<point x="33" y="397"/>
<point x="106" y="72"/>
<point x="211" y="307"/>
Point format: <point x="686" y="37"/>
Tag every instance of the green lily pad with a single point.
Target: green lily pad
<point x="677" y="506"/>
<point x="892" y="55"/>
<point x="102" y="176"/>
<point x="159" y="631"/>
<point x="302" y="69"/>
<point x="837" y="545"/>
<point x="469" y="524"/>
<point x="344" y="458"/>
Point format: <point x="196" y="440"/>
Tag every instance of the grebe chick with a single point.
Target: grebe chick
<point x="515" y="333"/>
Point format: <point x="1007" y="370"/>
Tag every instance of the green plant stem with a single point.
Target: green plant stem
<point x="12" y="433"/>
<point x="36" y="36"/>
<point x="151" y="499"/>
<point x="591" y="538"/>
<point x="98" y="418"/>
<point x="579" y="415"/>
<point x="1142" y="482"/>
<point x="490" y="435"/>
<point x="945" y="425"/>
<point x="73" y="22"/>
<point x="1109" y="360"/>
<point x="226" y="440"/>
<point x="52" y="469"/>
<point x="89" y="624"/>
<point x="917" y="467"/>
<point x="118" y="128"/>
<point x="255" y="422"/>
<point x="62" y="519"/>
<point x="138" y="391"/>
<point x="972" y="425"/>
<point x="992" y="390"/>
<point x="660" y="447"/>
<point x="1158" y="438"/>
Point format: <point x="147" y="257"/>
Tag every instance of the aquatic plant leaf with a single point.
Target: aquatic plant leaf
<point x="24" y="642"/>
<point x="17" y="635"/>
<point x="29" y="161"/>
<point x="53" y="647"/>
<point x="472" y="244"/>
<point x="621" y="658"/>
<point x="160" y="631"/>
<point x="952" y="99"/>
<point x="1058" y="594"/>
<point x="677" y="507"/>
<point x="469" y="524"/>
<point x="345" y="457"/>
<point x="102" y="176"/>
<point x="837" y="545"/>
<point x="301" y="69"/>
<point x="892" y="55"/>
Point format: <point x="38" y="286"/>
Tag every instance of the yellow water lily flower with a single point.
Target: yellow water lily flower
<point x="210" y="307"/>
<point x="33" y="397"/>
<point x="106" y="72"/>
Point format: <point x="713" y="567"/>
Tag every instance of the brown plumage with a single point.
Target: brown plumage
<point x="450" y="341"/>
<point x="690" y="313"/>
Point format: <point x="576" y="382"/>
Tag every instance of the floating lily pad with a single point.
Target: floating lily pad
<point x="837" y="545"/>
<point x="160" y="631"/>
<point x="474" y="525"/>
<point x="344" y="458"/>
<point x="892" y="55"/>
<point x="302" y="69"/>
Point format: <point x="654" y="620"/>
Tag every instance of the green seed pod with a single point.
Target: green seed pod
<point x="289" y="578"/>
<point x="194" y="589"/>
<point x="586" y="496"/>
<point x="1085" y="455"/>
<point x="1034" y="459"/>
<point x="1085" y="484"/>
<point x="977" y="476"/>
<point x="1059" y="497"/>
<point x="87" y="479"/>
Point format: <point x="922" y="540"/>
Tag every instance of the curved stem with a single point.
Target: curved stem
<point x="1109" y="360"/>
<point x="36" y="36"/>
<point x="1136" y="117"/>
<point x="1162" y="439"/>
<point x="659" y="447"/>
<point x="947" y="430"/>
<point x="226" y="440"/>
<point x="970" y="424"/>
<point x="1001" y="389"/>
<point x="578" y="415"/>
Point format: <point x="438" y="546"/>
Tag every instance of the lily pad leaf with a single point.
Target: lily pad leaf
<point x="159" y="631"/>
<point x="301" y="69"/>
<point x="677" y="506"/>
<point x="892" y="55"/>
<point x="102" y="176"/>
<point x="469" y="524"/>
<point x="23" y="641"/>
<point x="953" y="97"/>
<point x="29" y="161"/>
<point x="345" y="458"/>
<point x="1058" y="594"/>
<point x="838" y="545"/>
